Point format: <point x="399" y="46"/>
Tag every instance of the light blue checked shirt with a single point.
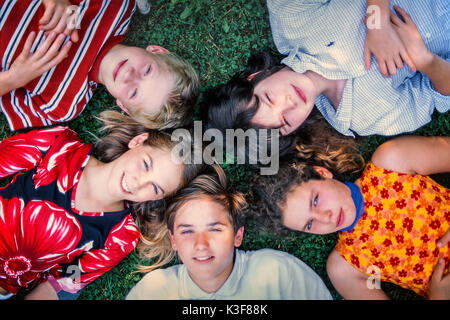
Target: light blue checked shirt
<point x="327" y="36"/>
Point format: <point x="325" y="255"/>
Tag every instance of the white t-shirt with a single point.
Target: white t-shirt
<point x="264" y="274"/>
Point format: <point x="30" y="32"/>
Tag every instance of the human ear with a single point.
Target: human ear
<point x="324" y="172"/>
<point x="121" y="106"/>
<point x="138" y="140"/>
<point x="238" y="237"/>
<point x="156" y="49"/>
<point x="172" y="241"/>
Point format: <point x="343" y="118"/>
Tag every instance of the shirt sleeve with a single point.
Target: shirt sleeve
<point x="288" y="19"/>
<point x="94" y="263"/>
<point x="22" y="152"/>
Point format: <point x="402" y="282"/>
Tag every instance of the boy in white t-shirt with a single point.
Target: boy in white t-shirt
<point x="203" y="225"/>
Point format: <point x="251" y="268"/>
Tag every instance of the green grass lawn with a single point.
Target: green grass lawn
<point x="217" y="37"/>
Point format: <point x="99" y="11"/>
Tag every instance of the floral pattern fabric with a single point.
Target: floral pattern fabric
<point x="41" y="232"/>
<point x="405" y="215"/>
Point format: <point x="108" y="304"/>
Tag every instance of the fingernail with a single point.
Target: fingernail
<point x="439" y="244"/>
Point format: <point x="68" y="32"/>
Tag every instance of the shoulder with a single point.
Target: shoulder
<point x="392" y="155"/>
<point x="272" y="260"/>
<point x="156" y="284"/>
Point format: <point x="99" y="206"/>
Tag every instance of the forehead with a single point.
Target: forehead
<point x="296" y="206"/>
<point x="201" y="211"/>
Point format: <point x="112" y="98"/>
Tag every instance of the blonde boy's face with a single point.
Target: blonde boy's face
<point x="205" y="240"/>
<point x="134" y="78"/>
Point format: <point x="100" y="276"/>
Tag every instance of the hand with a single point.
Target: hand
<point x="57" y="17"/>
<point x="410" y="36"/>
<point x="387" y="47"/>
<point x="444" y="240"/>
<point x="439" y="288"/>
<point x="28" y="66"/>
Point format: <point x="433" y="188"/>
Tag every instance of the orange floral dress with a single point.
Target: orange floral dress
<point x="405" y="215"/>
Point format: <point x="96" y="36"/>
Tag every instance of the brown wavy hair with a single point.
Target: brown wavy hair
<point x="213" y="185"/>
<point x="268" y="193"/>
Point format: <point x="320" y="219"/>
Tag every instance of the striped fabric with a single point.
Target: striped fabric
<point x="328" y="37"/>
<point x="60" y="94"/>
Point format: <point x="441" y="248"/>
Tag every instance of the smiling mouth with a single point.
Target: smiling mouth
<point x="124" y="185"/>
<point x="118" y="67"/>
<point x="205" y="259"/>
<point x="300" y="93"/>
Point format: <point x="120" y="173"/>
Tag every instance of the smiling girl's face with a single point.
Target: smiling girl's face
<point x="144" y="173"/>
<point x="286" y="98"/>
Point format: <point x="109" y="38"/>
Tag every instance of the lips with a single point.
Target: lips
<point x="124" y="186"/>
<point x="340" y="218"/>
<point x="204" y="259"/>
<point x="300" y="93"/>
<point x="117" y="68"/>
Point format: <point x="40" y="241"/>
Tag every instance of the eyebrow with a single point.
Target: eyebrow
<point x="310" y="208"/>
<point x="212" y="224"/>
<point x="151" y="165"/>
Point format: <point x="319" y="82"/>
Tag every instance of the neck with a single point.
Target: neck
<point x="332" y="89"/>
<point x="213" y="285"/>
<point x="92" y="195"/>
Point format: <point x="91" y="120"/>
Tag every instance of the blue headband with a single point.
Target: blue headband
<point x="358" y="200"/>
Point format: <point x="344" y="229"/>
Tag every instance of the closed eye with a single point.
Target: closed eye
<point x="155" y="188"/>
<point x="186" y="231"/>
<point x="133" y="94"/>
<point x="149" y="69"/>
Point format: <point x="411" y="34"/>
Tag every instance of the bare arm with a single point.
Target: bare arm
<point x="44" y="291"/>
<point x="414" y="155"/>
<point x="350" y="282"/>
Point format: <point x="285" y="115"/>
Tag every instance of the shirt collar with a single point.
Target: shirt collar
<point x="189" y="289"/>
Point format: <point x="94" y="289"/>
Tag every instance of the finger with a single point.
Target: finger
<point x="396" y="21"/>
<point x="43" y="48"/>
<point x="54" y="50"/>
<point x="28" y="44"/>
<point x="407" y="59"/>
<point x="48" y="14"/>
<point x="383" y="68"/>
<point x="367" y="57"/>
<point x="391" y="67"/>
<point x="62" y="25"/>
<point x="398" y="61"/>
<point x="74" y="36"/>
<point x="73" y="33"/>
<point x="62" y="54"/>
<point x="54" y="20"/>
<point x="438" y="271"/>
<point x="444" y="240"/>
<point x="406" y="17"/>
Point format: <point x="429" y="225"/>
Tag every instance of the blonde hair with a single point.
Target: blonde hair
<point x="213" y="186"/>
<point x="178" y="110"/>
<point x="120" y="130"/>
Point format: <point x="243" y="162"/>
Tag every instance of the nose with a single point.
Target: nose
<point x="201" y="241"/>
<point x="129" y="74"/>
<point x="323" y="216"/>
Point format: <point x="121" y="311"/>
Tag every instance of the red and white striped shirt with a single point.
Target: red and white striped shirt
<point x="60" y="94"/>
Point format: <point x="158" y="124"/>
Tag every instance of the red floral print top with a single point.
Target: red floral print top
<point x="405" y="215"/>
<point x="42" y="235"/>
